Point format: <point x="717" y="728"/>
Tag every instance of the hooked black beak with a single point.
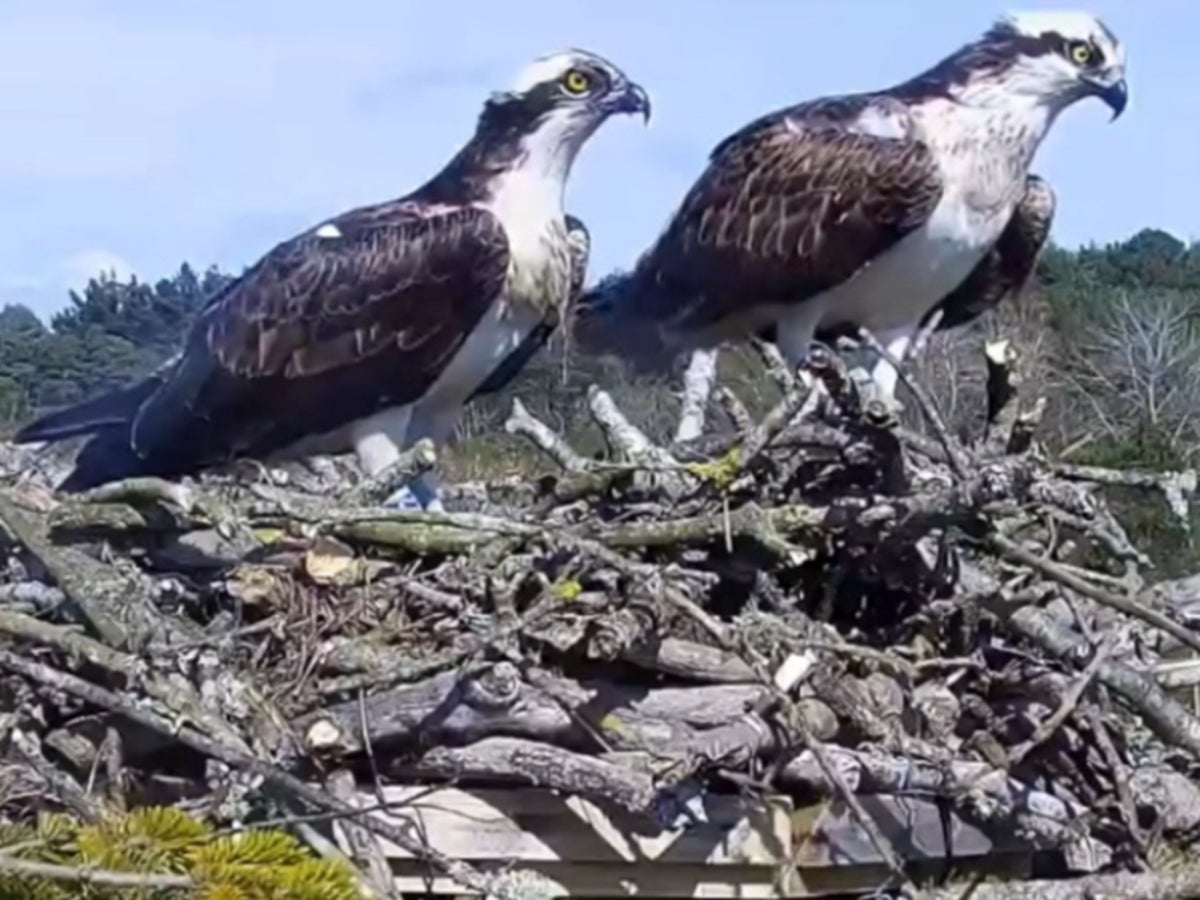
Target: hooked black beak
<point x="1116" y="95"/>
<point x="633" y="99"/>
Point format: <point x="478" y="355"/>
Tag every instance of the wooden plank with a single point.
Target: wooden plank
<point x="736" y="849"/>
<point x="828" y="835"/>
<point x="866" y="880"/>
<point x="622" y="880"/>
<point x="597" y="880"/>
<point x="540" y="826"/>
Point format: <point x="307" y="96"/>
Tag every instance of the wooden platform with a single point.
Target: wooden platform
<point x="736" y="849"/>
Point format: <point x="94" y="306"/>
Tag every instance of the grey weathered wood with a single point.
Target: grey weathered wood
<point x="539" y="826"/>
<point x="736" y="847"/>
<point x="456" y="709"/>
<point x="501" y="760"/>
<point x="695" y="662"/>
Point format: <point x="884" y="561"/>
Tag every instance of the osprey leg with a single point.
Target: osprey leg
<point x="898" y="342"/>
<point x="816" y="392"/>
<point x="377" y="446"/>
<point x="434" y="423"/>
<point x="420" y="494"/>
<point x="794" y="333"/>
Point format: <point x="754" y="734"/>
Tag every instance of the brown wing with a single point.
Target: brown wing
<point x="1008" y="266"/>
<point x="325" y="330"/>
<point x="789" y="207"/>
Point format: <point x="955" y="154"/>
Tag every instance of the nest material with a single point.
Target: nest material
<point x="818" y="605"/>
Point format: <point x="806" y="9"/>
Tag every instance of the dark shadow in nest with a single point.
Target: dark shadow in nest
<point x="873" y="592"/>
<point x="737" y="570"/>
<point x="821" y="481"/>
<point x="870" y="466"/>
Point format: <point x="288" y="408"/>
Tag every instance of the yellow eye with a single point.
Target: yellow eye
<point x="577" y="81"/>
<point x="1081" y="53"/>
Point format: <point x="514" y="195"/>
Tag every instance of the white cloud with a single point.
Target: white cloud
<point x="47" y="292"/>
<point x="81" y="267"/>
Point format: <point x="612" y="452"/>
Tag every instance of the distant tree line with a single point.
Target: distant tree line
<point x="111" y="332"/>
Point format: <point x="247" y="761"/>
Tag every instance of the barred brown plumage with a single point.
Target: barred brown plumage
<point x="783" y="212"/>
<point x="325" y="330"/>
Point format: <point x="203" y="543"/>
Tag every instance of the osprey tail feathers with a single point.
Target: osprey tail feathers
<point x="112" y="410"/>
<point x="108" y="456"/>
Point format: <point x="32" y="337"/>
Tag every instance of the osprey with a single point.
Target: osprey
<point x="373" y="329"/>
<point x="422" y="492"/>
<point x="870" y="210"/>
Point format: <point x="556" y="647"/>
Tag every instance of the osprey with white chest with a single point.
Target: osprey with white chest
<point x="874" y="210"/>
<point x="373" y="329"/>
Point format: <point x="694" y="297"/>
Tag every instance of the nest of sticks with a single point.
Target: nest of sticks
<point x="826" y="605"/>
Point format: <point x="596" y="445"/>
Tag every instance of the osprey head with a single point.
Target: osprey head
<point x="564" y="98"/>
<point x="1062" y="57"/>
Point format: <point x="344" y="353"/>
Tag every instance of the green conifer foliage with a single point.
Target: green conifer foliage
<point x="267" y="864"/>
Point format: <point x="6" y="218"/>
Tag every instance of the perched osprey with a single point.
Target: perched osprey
<point x="373" y="329"/>
<point x="866" y="210"/>
<point x="422" y="493"/>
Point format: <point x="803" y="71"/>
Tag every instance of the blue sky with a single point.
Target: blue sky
<point x="141" y="133"/>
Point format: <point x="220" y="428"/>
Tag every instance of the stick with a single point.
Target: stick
<point x="418" y="459"/>
<point x="698" y="383"/>
<point x="1009" y="548"/>
<point x="365" y="845"/>
<point x="882" y="845"/>
<point x="1183" y="885"/>
<point x="1162" y="714"/>
<point x="776" y="366"/>
<point x="271" y="775"/>
<point x="70" y="580"/>
<point x="924" y="403"/>
<point x="142" y="490"/>
<point x="773" y="423"/>
<point x="733" y="407"/>
<point x="521" y="422"/>
<point x="89" y="875"/>
<point x="69" y="641"/>
<point x="1070" y="703"/>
